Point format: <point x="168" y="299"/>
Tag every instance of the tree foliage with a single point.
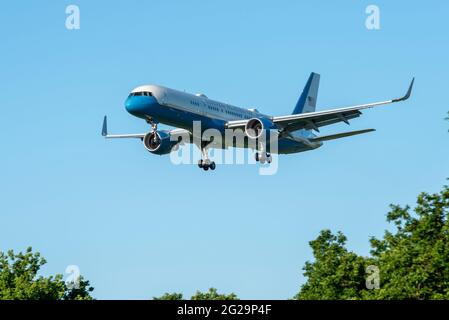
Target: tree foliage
<point x="413" y="261"/>
<point x="336" y="272"/>
<point x="19" y="280"/>
<point x="211" y="294"/>
<point x="170" y="296"/>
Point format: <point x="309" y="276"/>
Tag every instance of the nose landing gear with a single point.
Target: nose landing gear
<point x="152" y="123"/>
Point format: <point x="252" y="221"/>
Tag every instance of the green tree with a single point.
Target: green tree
<point x="211" y="294"/>
<point x="19" y="279"/>
<point x="413" y="261"/>
<point x="81" y="292"/>
<point x="336" y="273"/>
<point x="169" y="296"/>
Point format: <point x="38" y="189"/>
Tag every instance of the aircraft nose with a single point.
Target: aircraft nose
<point x="139" y="106"/>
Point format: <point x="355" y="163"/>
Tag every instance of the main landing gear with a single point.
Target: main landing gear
<point x="263" y="157"/>
<point x="205" y="163"/>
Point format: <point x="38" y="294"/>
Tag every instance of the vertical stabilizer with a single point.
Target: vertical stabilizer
<point x="307" y="100"/>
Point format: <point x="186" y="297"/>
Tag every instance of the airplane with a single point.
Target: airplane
<point x="295" y="132"/>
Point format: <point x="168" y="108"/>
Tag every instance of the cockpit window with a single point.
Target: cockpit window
<point x="144" y="93"/>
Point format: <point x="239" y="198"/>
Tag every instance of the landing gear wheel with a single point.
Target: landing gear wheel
<point x="257" y="156"/>
<point x="205" y="167"/>
<point x="269" y="158"/>
<point x="200" y="163"/>
<point x="212" y="165"/>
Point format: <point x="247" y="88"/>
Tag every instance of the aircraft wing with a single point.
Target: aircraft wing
<point x="314" y="120"/>
<point x="104" y="132"/>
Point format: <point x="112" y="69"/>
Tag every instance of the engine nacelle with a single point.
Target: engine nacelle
<point x="255" y="127"/>
<point x="158" y="142"/>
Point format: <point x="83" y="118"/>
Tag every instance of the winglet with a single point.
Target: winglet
<point x="104" y="131"/>
<point x="407" y="95"/>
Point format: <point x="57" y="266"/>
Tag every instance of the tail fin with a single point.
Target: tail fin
<point x="307" y="100"/>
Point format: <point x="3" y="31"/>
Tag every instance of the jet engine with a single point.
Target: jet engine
<point x="159" y="142"/>
<point x="256" y="126"/>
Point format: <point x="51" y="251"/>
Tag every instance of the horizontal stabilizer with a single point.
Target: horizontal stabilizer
<point x="340" y="135"/>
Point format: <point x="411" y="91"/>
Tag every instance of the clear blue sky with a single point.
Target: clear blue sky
<point x="138" y="226"/>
